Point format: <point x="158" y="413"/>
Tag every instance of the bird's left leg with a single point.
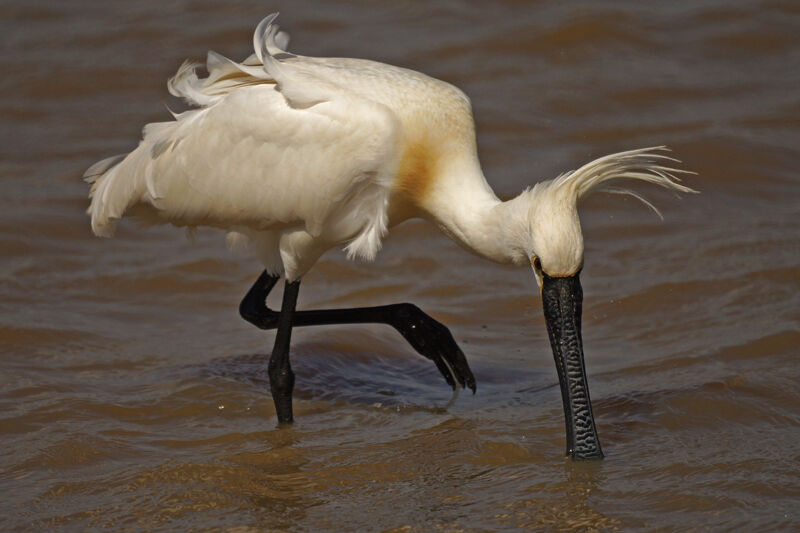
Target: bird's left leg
<point x="427" y="336"/>
<point x="254" y="304"/>
<point x="281" y="377"/>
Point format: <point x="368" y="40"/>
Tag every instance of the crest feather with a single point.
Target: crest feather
<point x="603" y="174"/>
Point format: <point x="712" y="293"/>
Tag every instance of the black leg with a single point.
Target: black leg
<point x="281" y="377"/>
<point x="429" y="337"/>
<point x="254" y="304"/>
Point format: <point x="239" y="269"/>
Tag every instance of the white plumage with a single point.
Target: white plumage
<point x="294" y="155"/>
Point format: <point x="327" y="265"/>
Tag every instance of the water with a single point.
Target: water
<point x="135" y="398"/>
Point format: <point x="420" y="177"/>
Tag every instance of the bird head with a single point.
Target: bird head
<point x="554" y="237"/>
<point x="552" y="241"/>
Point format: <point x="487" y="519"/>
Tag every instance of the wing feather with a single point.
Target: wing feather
<point x="276" y="144"/>
<point x="253" y="160"/>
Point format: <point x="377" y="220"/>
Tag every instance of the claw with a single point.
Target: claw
<point x="451" y="376"/>
<point x="453" y="398"/>
<point x="466" y="379"/>
<point x="446" y="371"/>
<point x="433" y="340"/>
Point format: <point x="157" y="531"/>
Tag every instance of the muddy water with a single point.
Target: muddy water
<point x="134" y="398"/>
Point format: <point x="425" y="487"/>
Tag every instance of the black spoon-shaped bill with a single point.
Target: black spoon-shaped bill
<point x="562" y="298"/>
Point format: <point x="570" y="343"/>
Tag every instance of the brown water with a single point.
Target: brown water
<point x="135" y="398"/>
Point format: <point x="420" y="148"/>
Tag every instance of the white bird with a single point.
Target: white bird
<point x="293" y="155"/>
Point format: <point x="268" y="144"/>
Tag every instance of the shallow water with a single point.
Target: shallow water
<point x="135" y="398"/>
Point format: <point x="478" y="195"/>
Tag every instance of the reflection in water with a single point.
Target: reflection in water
<point x="566" y="505"/>
<point x="134" y="398"/>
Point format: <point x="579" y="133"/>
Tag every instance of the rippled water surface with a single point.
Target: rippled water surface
<point x="133" y="397"/>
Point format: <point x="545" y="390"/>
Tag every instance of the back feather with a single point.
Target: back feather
<point x="226" y="75"/>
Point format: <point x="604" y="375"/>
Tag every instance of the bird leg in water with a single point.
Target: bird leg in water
<point x="426" y="335"/>
<point x="281" y="377"/>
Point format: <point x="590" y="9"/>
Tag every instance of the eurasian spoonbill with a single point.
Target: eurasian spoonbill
<point x="293" y="155"/>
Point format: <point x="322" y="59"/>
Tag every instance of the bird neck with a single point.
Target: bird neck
<point x="467" y="210"/>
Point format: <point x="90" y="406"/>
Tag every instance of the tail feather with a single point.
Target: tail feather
<point x="101" y="167"/>
<point x="109" y="199"/>
<point x="122" y="181"/>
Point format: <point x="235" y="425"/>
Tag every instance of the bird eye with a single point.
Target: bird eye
<point x="537" y="263"/>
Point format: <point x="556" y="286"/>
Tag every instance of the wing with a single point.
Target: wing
<point x="254" y="160"/>
<point x="272" y="148"/>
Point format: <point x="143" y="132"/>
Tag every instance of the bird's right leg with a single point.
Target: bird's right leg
<point x="429" y="337"/>
<point x="281" y="377"/>
<point x="254" y="309"/>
